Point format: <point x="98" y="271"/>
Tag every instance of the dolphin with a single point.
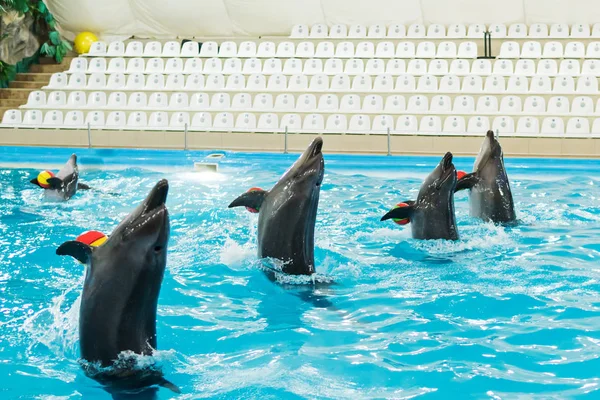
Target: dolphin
<point x="287" y="213"/>
<point x="490" y="198"/>
<point x="65" y="184"/>
<point x="120" y="295"/>
<point x="432" y="215"/>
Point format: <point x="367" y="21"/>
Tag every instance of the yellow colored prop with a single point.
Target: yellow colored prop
<point x="84" y="41"/>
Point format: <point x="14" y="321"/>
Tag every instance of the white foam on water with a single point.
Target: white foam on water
<point x="234" y="254"/>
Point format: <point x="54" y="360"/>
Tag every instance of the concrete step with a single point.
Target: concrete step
<point x="15" y="94"/>
<point x="11" y="103"/>
<point x="26" y="85"/>
<point x="48" y="68"/>
<point x="34" y="77"/>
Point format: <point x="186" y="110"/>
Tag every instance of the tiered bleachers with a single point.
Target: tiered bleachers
<point x="339" y="79"/>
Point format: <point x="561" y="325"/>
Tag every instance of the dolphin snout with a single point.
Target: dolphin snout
<point x="316" y="146"/>
<point x="157" y="196"/>
<point x="447" y="160"/>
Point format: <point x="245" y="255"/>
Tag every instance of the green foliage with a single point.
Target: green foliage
<point x="7" y="73"/>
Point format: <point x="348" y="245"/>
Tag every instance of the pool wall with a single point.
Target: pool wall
<point x="365" y="144"/>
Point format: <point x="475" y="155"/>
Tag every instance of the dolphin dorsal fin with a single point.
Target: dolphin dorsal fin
<point x="467" y="181"/>
<point x="79" y="251"/>
<point x="55" y="183"/>
<point x="252" y="199"/>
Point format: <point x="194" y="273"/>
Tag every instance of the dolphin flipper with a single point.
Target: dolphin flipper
<point x="400" y="212"/>
<point x="83" y="186"/>
<point x="169" y="385"/>
<point x="251" y="199"/>
<point x="78" y="250"/>
<point x="55" y="183"/>
<point x="35" y="182"/>
<point x="467" y="181"/>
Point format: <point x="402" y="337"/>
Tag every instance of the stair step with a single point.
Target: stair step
<point x="11" y="103"/>
<point x="48" y="68"/>
<point x="2" y="111"/>
<point x="26" y="85"/>
<point x="34" y="77"/>
<point x="15" y="94"/>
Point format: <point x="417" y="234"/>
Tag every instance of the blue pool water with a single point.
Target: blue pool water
<point x="501" y="313"/>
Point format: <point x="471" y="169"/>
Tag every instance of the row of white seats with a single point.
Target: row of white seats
<point x="332" y="66"/>
<point x="289" y="49"/>
<point x="313" y="123"/>
<point x="308" y="102"/>
<point x="533" y="49"/>
<point x="456" y="31"/>
<point x="585" y="84"/>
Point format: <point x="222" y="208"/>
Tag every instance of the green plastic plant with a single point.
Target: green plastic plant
<point x="44" y="26"/>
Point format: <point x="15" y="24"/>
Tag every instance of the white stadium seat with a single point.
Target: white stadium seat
<point x="153" y="49"/>
<point x="430" y="124"/>
<point x="137" y="100"/>
<point x="559" y="31"/>
<point x="285" y="102"/>
<point x="517" y="31"/>
<point x="158" y="120"/>
<point x="503" y="125"/>
<point x="201" y="121"/>
<point x="179" y="120"/>
<point x="528" y="126"/>
<point x="467" y="50"/>
<point x="313" y="123"/>
<point x="116" y="64"/>
<point x="552" y="126"/>
<point x="79" y="64"/>
<point x="291" y="123"/>
<point x="582" y="105"/>
<point x="137" y="119"/>
<point x="171" y="49"/>
<point x="396" y="31"/>
<point x="223" y="122"/>
<point x="359" y="123"/>
<point x="476" y="31"/>
<point x="228" y="50"/>
<point x="494" y="84"/>
<point x="53" y="118"/>
<point x="376" y="31"/>
<point x="116" y="120"/>
<point x="134" y="49"/>
<point x="268" y="122"/>
<point x="457" y="31"/>
<point x="395" y="104"/>
<point x="436" y="31"/>
<point x="407" y="124"/>
<point x="464" y="105"/>
<point x="95" y="119"/>
<point x="209" y="49"/>
<point x="336" y="123"/>
<point x="247" y="49"/>
<point x="74" y="119"/>
<point x="553" y="50"/>
<point x="558" y="105"/>
<point x="578" y="127"/>
<point x="97" y="49"/>
<point x="117" y="100"/>
<point x="440" y="104"/>
<point x="498" y="31"/>
<point x="509" y="50"/>
<point x="266" y="50"/>
<point x="538" y="31"/>
<point x="382" y="123"/>
<point x="299" y="31"/>
<point x="115" y="49"/>
<point x="36" y="99"/>
<point x="534" y="105"/>
<point x="416" y="31"/>
<point x="454" y="125"/>
<point x="580" y="31"/>
<point x="338" y="31"/>
<point x="33" y="118"/>
<point x="531" y="49"/>
<point x="190" y="49"/>
<point x="318" y="31"/>
<point x="57" y="99"/>
<point x="77" y="99"/>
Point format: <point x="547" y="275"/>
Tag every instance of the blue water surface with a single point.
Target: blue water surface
<point x="502" y="313"/>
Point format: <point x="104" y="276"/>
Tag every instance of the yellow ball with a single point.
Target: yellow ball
<point x="42" y="178"/>
<point x="84" y="41"/>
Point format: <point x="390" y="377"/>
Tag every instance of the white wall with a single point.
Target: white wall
<point x="187" y="18"/>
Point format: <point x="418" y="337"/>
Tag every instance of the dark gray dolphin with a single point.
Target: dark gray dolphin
<point x="287" y="213"/>
<point x="65" y="184"/>
<point x="120" y="294"/>
<point x="490" y="198"/>
<point x="432" y="215"/>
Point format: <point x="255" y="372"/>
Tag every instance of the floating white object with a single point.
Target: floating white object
<point x="206" y="167"/>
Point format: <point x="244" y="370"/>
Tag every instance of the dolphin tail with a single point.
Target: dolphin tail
<point x="55" y="183"/>
<point x="83" y="186"/>
<point x="403" y="212"/>
<point x="169" y="385"/>
<point x="253" y="199"/>
<point x="467" y="181"/>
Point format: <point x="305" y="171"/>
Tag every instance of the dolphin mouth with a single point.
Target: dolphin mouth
<point x="154" y="207"/>
<point x="447" y="170"/>
<point x="316" y="146"/>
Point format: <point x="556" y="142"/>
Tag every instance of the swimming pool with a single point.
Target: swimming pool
<point x="501" y="312"/>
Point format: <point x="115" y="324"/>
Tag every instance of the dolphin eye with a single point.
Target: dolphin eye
<point x="157" y="249"/>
